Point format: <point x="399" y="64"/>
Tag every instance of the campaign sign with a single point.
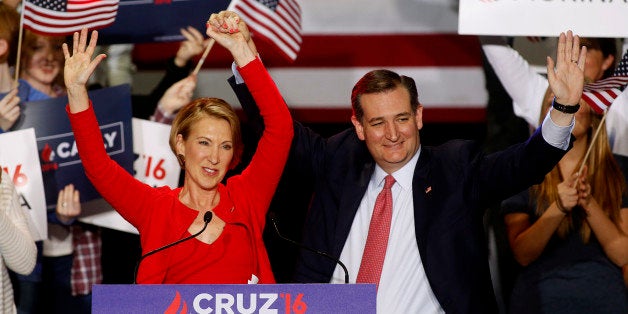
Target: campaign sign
<point x="543" y="18"/>
<point x="19" y="160"/>
<point x="158" y="20"/>
<point x="204" y="299"/>
<point x="156" y="164"/>
<point x="58" y="154"/>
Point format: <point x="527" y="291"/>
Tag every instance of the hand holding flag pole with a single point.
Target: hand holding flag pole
<point x="210" y="44"/>
<point x="19" y="49"/>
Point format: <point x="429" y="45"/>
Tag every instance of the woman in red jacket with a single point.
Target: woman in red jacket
<point x="205" y="137"/>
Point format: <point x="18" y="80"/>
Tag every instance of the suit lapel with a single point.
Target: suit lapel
<point x="421" y="195"/>
<point x="357" y="180"/>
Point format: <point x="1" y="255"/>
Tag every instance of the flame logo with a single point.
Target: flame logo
<point x="176" y="304"/>
<point x="47" y="154"/>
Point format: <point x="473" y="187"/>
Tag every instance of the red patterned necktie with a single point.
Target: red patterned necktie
<point x="377" y="240"/>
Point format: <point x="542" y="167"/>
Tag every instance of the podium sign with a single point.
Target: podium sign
<point x="204" y="299"/>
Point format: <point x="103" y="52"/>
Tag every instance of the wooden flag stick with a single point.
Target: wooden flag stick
<point x="597" y="131"/>
<point x="202" y="60"/>
<point x="19" y="48"/>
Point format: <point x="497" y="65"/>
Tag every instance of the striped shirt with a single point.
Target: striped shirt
<point x="17" y="246"/>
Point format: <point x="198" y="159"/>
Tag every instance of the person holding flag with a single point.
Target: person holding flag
<point x="570" y="232"/>
<point x="223" y="221"/>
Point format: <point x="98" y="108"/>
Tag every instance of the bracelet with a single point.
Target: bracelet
<point x="564" y="108"/>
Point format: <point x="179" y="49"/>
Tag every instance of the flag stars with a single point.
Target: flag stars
<point x="55" y="5"/>
<point x="271" y="4"/>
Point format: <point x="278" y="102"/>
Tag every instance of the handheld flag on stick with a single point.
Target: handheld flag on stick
<point x="601" y="94"/>
<point x="597" y="131"/>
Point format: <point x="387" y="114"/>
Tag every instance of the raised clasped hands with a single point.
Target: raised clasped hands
<point x="230" y="31"/>
<point x="79" y="65"/>
<point x="566" y="75"/>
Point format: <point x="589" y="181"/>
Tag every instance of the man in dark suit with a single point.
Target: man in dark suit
<point x="435" y="258"/>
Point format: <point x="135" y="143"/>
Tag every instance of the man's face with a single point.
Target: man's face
<point x="389" y="127"/>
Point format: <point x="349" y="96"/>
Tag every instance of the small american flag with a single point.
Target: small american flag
<point x="601" y="94"/>
<point x="276" y="21"/>
<point x="64" y="17"/>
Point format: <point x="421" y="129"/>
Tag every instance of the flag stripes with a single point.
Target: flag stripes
<point x="601" y="94"/>
<point x="278" y="22"/>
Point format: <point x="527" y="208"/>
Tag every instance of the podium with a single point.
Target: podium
<point x="214" y="298"/>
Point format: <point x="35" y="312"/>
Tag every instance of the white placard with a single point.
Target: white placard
<point x="20" y="159"/>
<point x="156" y="164"/>
<point x="594" y="18"/>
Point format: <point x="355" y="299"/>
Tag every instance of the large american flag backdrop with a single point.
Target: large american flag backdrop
<point x="341" y="41"/>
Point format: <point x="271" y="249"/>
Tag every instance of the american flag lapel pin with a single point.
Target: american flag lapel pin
<point x="428" y="189"/>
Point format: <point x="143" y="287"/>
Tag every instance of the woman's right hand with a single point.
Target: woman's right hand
<point x="230" y="31"/>
<point x="568" y="194"/>
<point x="79" y="66"/>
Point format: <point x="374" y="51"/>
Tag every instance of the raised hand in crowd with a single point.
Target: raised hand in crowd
<point x="177" y="96"/>
<point x="9" y="109"/>
<point x="193" y="45"/>
<point x="68" y="204"/>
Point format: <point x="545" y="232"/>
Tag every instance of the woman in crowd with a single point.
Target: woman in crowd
<point x="17" y="248"/>
<point x="205" y="137"/>
<point x="570" y="232"/>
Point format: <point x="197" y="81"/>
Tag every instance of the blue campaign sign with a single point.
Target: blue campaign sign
<point x="278" y="298"/>
<point x="58" y="155"/>
<point x="158" y="20"/>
